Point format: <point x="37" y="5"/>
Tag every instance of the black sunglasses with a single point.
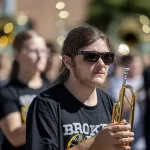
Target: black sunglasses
<point x="93" y="56"/>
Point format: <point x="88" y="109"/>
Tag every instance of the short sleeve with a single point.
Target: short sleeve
<point x="7" y="103"/>
<point x="43" y="126"/>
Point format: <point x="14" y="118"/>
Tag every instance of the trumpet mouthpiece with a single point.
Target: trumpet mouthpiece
<point x="125" y="70"/>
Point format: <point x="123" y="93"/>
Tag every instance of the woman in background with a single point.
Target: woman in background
<point x="30" y="59"/>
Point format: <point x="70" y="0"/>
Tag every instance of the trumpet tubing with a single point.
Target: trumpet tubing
<point x="118" y="107"/>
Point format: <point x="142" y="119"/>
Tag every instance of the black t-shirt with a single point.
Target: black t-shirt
<point x="146" y="76"/>
<point x="147" y="110"/>
<point x="56" y="120"/>
<point x="16" y="97"/>
<point x="2" y="84"/>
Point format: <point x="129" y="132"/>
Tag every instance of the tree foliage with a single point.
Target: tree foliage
<point x="102" y="12"/>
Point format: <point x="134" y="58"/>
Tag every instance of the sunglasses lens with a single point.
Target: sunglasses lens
<point x="91" y="57"/>
<point x="108" y="58"/>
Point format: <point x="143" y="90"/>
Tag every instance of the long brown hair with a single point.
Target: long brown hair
<point x="76" y="39"/>
<point x="18" y="44"/>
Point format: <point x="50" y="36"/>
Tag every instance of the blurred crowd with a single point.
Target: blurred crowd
<point x="37" y="63"/>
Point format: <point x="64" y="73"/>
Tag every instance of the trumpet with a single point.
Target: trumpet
<point x="117" y="113"/>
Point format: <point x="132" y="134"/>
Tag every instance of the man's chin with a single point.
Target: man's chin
<point x="98" y="83"/>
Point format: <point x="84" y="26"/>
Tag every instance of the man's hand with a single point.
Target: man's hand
<point x="113" y="137"/>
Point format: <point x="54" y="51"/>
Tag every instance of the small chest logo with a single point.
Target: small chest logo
<point x="76" y="139"/>
<point x="24" y="110"/>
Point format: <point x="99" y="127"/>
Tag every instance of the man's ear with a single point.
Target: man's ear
<point x="67" y="61"/>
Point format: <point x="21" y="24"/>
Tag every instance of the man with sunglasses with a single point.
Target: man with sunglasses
<point x="74" y="114"/>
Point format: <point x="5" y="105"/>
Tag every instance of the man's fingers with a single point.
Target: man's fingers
<point x="117" y="128"/>
<point x="112" y="124"/>
<point x="121" y="141"/>
<point x="123" y="134"/>
<point x="117" y="147"/>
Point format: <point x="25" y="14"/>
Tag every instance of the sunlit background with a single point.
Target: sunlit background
<point x="126" y="22"/>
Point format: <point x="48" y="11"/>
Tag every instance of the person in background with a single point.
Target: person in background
<point x="73" y="113"/>
<point x="54" y="63"/>
<point x="5" y="67"/>
<point x="30" y="58"/>
<point x="134" y="78"/>
<point x="147" y="103"/>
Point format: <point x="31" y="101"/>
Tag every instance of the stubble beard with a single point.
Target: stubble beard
<point x="79" y="76"/>
<point x="84" y="80"/>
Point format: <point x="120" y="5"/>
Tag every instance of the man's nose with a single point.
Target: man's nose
<point x="100" y="62"/>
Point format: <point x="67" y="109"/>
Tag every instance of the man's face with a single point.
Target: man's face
<point x="91" y="74"/>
